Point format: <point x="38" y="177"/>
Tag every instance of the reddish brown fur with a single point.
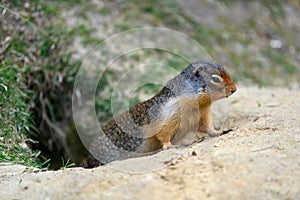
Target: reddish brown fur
<point x="228" y="83"/>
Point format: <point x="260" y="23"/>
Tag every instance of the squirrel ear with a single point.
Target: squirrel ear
<point x="197" y="71"/>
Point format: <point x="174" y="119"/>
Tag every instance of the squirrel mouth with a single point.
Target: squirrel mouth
<point x="230" y="92"/>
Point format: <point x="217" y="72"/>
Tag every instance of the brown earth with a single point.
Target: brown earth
<point x="259" y="159"/>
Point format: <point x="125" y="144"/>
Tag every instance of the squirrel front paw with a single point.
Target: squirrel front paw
<point x="214" y="133"/>
<point x="167" y="145"/>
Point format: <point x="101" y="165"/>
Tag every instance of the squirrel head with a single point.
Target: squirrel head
<point x="209" y="79"/>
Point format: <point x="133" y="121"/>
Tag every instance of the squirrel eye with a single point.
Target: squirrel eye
<point x="216" y="80"/>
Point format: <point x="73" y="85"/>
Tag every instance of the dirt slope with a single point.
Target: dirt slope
<point x="259" y="159"/>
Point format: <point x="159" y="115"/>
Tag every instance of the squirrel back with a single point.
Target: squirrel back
<point x="182" y="106"/>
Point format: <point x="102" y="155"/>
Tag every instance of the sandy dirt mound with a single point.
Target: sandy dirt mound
<point x="259" y="159"/>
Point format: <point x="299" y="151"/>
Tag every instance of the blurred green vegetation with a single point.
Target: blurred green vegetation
<point x="38" y="67"/>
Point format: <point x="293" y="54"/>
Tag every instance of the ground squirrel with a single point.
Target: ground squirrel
<point x="182" y="106"/>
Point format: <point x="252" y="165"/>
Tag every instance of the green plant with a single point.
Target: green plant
<point x="65" y="165"/>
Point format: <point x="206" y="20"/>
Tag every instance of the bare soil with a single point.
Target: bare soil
<point x="259" y="159"/>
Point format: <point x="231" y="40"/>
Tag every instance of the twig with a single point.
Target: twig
<point x="263" y="149"/>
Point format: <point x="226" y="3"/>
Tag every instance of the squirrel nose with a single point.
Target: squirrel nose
<point x="233" y="90"/>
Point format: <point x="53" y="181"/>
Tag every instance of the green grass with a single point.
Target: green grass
<point x="15" y="105"/>
<point x="15" y="119"/>
<point x="66" y="164"/>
